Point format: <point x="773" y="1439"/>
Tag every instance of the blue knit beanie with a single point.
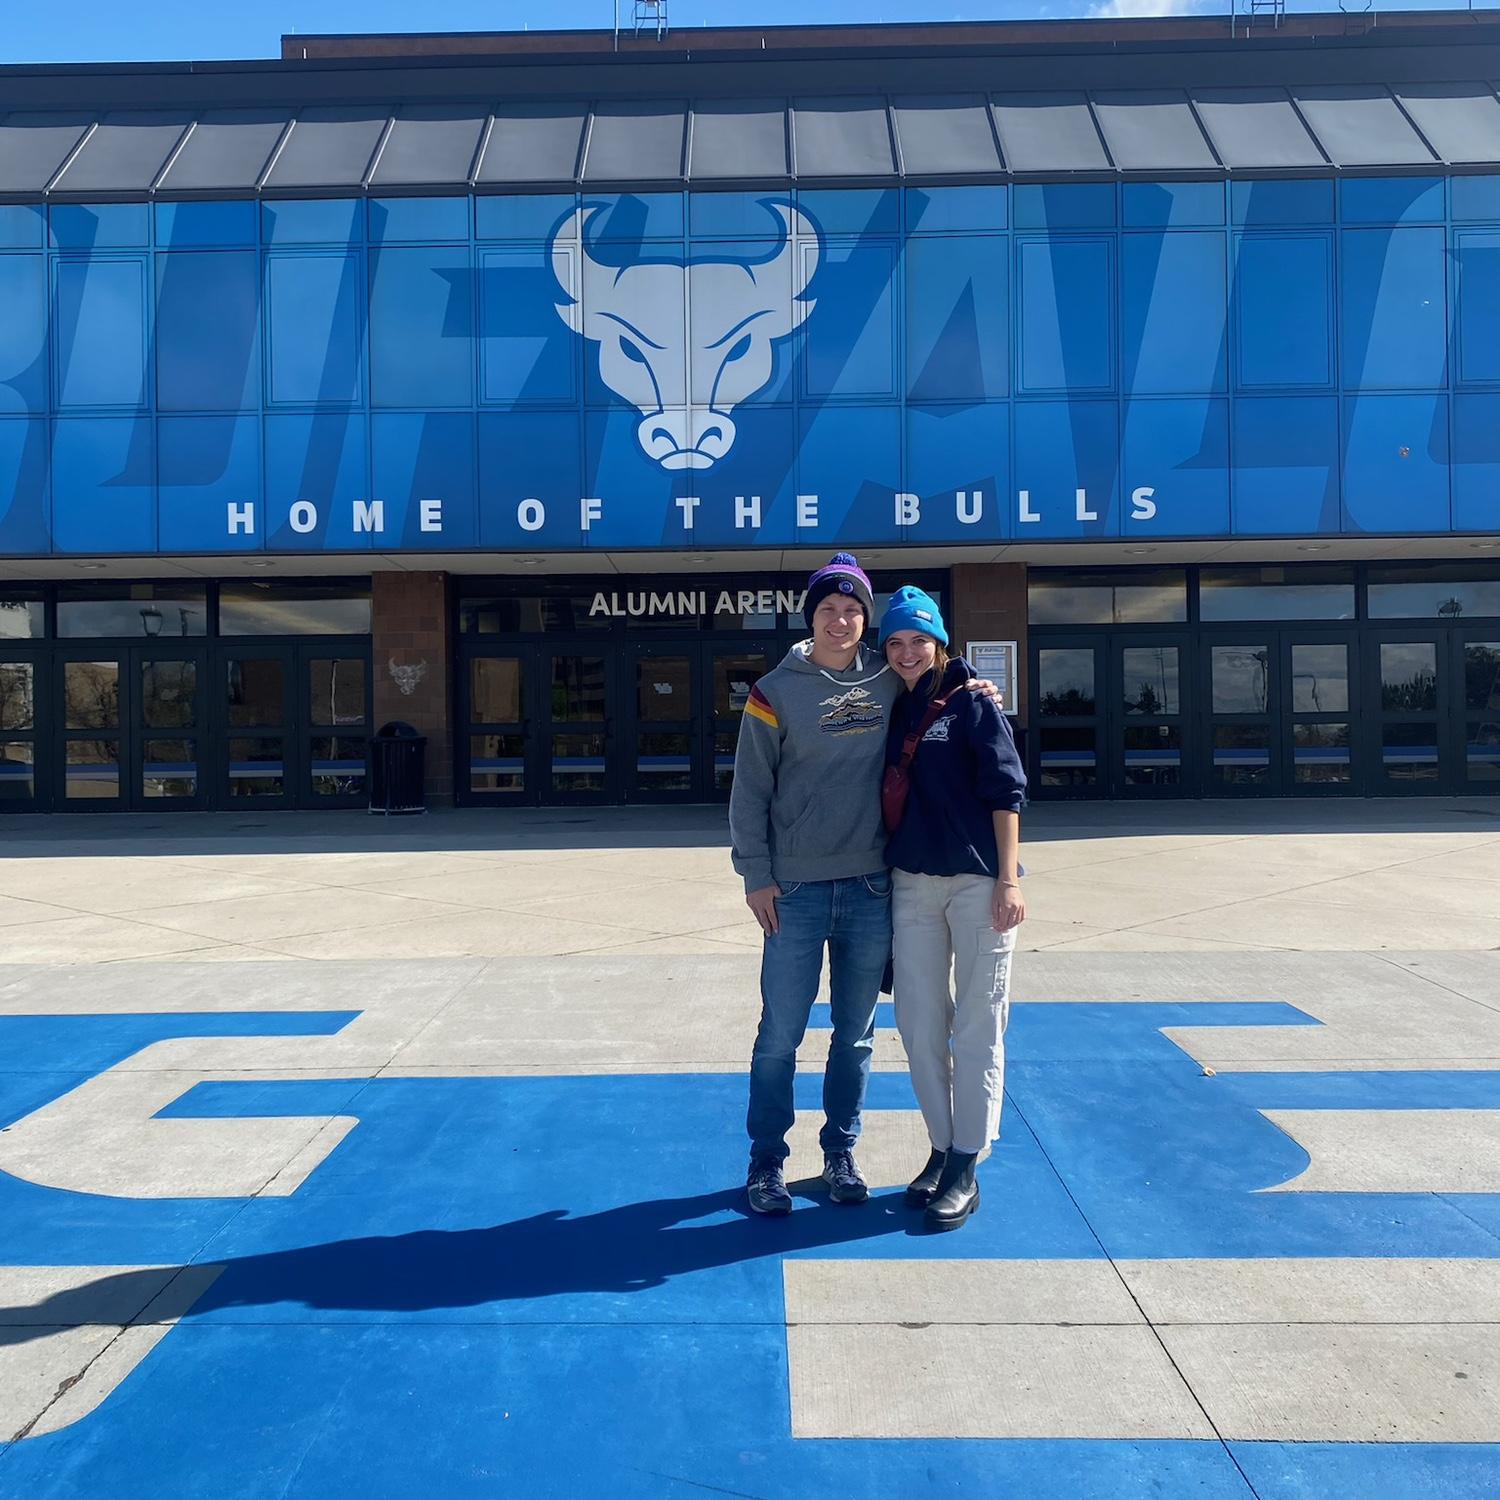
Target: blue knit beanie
<point x="911" y="609"/>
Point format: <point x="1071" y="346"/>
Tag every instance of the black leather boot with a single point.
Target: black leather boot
<point x="957" y="1192"/>
<point x="922" y="1189"/>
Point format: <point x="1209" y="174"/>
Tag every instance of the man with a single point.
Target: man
<point x="808" y="840"/>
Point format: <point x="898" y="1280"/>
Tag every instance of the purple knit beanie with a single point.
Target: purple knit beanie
<point x="842" y="575"/>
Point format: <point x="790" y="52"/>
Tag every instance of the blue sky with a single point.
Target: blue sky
<point x="107" y="30"/>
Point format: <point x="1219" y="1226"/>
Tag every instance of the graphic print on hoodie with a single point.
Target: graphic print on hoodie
<point x="805" y="803"/>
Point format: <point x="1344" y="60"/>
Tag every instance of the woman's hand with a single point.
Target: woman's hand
<point x="988" y="689"/>
<point x="1008" y="906"/>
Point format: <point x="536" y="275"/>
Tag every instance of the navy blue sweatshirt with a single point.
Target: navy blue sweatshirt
<point x="965" y="769"/>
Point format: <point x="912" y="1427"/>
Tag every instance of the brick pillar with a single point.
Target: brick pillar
<point x="411" y="626"/>
<point x="989" y="604"/>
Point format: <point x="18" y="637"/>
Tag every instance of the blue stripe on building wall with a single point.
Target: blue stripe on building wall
<point x="943" y="365"/>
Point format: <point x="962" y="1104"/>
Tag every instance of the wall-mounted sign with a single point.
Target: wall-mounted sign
<point x="997" y="661"/>
<point x="690" y="604"/>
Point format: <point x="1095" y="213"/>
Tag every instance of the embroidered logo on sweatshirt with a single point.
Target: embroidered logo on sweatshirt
<point x="937" y="734"/>
<point x="856" y="712"/>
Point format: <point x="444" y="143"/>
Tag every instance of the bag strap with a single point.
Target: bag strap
<point x="909" y="745"/>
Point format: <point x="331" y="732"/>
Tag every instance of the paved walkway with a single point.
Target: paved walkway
<point x="403" y="1156"/>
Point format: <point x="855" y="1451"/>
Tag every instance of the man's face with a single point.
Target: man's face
<point x="838" y="623"/>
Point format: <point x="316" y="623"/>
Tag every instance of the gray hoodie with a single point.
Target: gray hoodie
<point x="806" y="798"/>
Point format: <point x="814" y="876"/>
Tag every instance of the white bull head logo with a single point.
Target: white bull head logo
<point x="687" y="385"/>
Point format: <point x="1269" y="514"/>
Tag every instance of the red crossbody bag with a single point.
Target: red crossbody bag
<point x="896" y="787"/>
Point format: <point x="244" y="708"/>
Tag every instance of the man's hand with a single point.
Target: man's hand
<point x="763" y="904"/>
<point x="988" y="688"/>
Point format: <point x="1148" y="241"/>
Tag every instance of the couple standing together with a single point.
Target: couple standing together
<point x="823" y="870"/>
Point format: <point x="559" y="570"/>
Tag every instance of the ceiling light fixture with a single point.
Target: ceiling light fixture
<point x="1312" y="546"/>
<point x="89" y="567"/>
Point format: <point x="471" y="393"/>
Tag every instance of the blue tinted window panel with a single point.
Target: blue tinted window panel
<point x="734" y="362"/>
<point x="740" y="216"/>
<point x="852" y="211"/>
<point x="1174" y="313"/>
<point x="526" y="352"/>
<point x="313" y="221"/>
<point x="422" y="326"/>
<point x="1394" y="309"/>
<point x="1272" y="203"/>
<point x="1475" y="197"/>
<point x="1477" y="253"/>
<point x="850" y="458"/>
<point x="103" y="496"/>
<point x="943" y="210"/>
<point x="99" y="331"/>
<point x="97" y="226"/>
<point x="958" y="465"/>
<point x="1063" y="447"/>
<point x="521" y="216"/>
<point x="313" y="328"/>
<point x="208" y="330"/>
<point x="1391" y="200"/>
<point x="419" y="457"/>
<point x="205" y="465"/>
<point x="1065" y="205"/>
<point x="394" y="220"/>
<point x="25" y="521"/>
<point x="22" y="225"/>
<point x="1066" y="291"/>
<point x="1396" y="464"/>
<point x="632" y="217"/>
<point x="760" y="462"/>
<point x="23" y="334"/>
<point x="1476" y="463"/>
<point x="1283" y="311"/>
<point x="530" y="456"/>
<point x="1286" y="466"/>
<point x="1172" y="205"/>
<point x="635" y="490"/>
<point x="850" y="333"/>
<point x="318" y="458"/>
<point x="1179" y="451"/>
<point x="957" y="318"/>
<point x="205" y="226"/>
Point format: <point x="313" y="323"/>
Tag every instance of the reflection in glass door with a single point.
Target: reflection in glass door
<point x="1412" y="752"/>
<point x="1147" y="725"/>
<point x="92" y="729"/>
<point x="665" y="761"/>
<point x="336" y="726"/>
<point x="576" y="734"/>
<point x="734" y="670"/>
<point x="167" y="715"/>
<point x="495" y="711"/>
<point x="1319" y="674"/>
<point x="256" y="684"/>
<point x="1241" y="717"/>
<point x="1480" y="724"/>
<point x="1068" y="675"/>
<point x="21" y="700"/>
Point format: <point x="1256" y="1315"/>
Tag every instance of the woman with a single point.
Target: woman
<point x="957" y="900"/>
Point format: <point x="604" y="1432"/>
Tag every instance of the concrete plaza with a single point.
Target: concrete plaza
<point x="404" y="1156"/>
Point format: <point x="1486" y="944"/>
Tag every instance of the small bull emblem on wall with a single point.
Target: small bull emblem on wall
<point x="686" y="384"/>
<point x="406" y="678"/>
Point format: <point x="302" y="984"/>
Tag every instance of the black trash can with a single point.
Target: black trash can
<point x="398" y="763"/>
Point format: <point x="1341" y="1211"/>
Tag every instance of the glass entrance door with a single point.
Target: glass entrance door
<point x="294" y="720"/>
<point x="732" y="672"/>
<point x="1279" y="704"/>
<point x="129" y="728"/>
<point x="665" y="760"/>
<point x="1070" y="674"/>
<point x="1149" y="718"/>
<point x="23" y="700"/>
<point x="577" y="724"/>
<point x="498" y="694"/>
<point x="1479" y="725"/>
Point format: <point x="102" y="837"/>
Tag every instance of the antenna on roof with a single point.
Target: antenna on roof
<point x="651" y="15"/>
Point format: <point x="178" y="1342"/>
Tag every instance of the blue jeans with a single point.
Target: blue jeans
<point x="852" y="918"/>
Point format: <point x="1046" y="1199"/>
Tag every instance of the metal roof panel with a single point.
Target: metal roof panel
<point x="1461" y="120"/>
<point x="636" y="141"/>
<point x="1152" y="130"/>
<point x="835" y="138"/>
<point x="1254" y="128"/>
<point x="329" y="148"/>
<point x="1360" y="125"/>
<point x="431" y="145"/>
<point x="1049" y="133"/>
<point x="945" y="133"/>
<point x="738" y="138"/>
<point x="34" y="146"/>
<point x="533" y="143"/>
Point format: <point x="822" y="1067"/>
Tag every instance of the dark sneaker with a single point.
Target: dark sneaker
<point x="922" y="1189"/>
<point x="766" y="1189"/>
<point x="845" y="1185"/>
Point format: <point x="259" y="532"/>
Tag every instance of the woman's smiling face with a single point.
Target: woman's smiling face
<point x="911" y="655"/>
